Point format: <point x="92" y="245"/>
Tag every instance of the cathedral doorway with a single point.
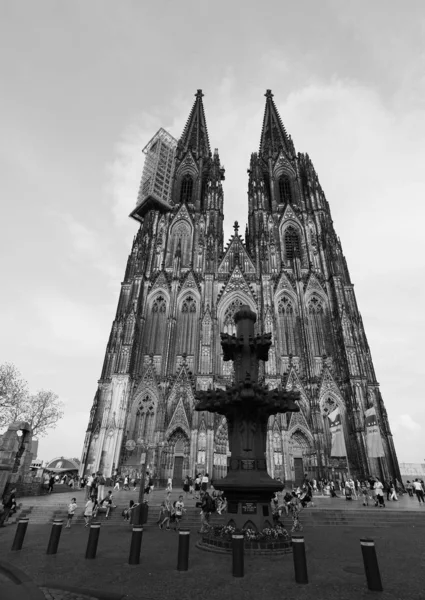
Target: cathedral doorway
<point x="178" y="471"/>
<point x="176" y="458"/>
<point x="298" y="471"/>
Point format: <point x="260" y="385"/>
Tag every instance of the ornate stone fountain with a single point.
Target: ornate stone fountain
<point x="247" y="406"/>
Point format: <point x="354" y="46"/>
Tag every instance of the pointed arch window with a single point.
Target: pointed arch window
<point x="157" y="326"/>
<point x="186" y="189"/>
<point x="187" y="326"/>
<point x="317" y="326"/>
<point x="181" y="239"/>
<point x="287" y="326"/>
<point x="144" y="425"/>
<point x="285" y="192"/>
<point x="229" y="316"/>
<point x="292" y="243"/>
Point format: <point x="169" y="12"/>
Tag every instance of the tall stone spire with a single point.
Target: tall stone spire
<point x="195" y="133"/>
<point x="273" y="134"/>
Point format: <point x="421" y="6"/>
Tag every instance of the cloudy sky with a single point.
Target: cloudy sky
<point x="85" y="85"/>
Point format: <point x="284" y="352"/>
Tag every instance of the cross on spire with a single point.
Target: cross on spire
<point x="236" y="227"/>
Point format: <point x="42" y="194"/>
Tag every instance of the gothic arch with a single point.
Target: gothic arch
<point x="180" y="238"/>
<point x="289" y="231"/>
<point x="143" y="418"/>
<point x="187" y="323"/>
<point x="287" y="323"/>
<point x="317" y="322"/>
<point x="157" y="316"/>
<point x="227" y="308"/>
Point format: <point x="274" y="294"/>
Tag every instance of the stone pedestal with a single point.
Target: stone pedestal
<point x="247" y="406"/>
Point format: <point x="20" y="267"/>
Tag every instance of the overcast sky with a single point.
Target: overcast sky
<point x="85" y="85"/>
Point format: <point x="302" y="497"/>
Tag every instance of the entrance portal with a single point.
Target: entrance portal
<point x="178" y="471"/>
<point x="298" y="471"/>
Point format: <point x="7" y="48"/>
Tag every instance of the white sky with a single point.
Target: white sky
<point x="85" y="85"/>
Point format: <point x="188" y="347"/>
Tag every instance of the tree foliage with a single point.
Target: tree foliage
<point x="42" y="410"/>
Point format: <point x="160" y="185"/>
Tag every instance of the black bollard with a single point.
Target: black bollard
<point x="371" y="566"/>
<point x="300" y="563"/>
<point x="237" y="550"/>
<point x="183" y="555"/>
<point x="20" y="534"/>
<point x="136" y="544"/>
<point x="55" y="535"/>
<point x="93" y="539"/>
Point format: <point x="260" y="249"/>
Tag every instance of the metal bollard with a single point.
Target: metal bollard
<point x="20" y="534"/>
<point x="183" y="555"/>
<point x="238" y="552"/>
<point x="136" y="544"/>
<point x="93" y="540"/>
<point x="300" y="563"/>
<point x="371" y="566"/>
<point x="55" y="535"/>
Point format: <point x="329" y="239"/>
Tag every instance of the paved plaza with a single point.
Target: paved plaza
<point x="333" y="554"/>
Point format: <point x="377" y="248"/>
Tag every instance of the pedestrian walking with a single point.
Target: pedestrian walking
<point x="72" y="506"/>
<point x="197" y="486"/>
<point x="186" y="486"/>
<point x="101" y="487"/>
<point x="167" y="510"/>
<point x="179" y="510"/>
<point x="125" y="486"/>
<point x="295" y="507"/>
<point x="365" y="493"/>
<point x="204" y="483"/>
<point x="51" y="484"/>
<point x="379" y="493"/>
<point x="419" y="491"/>
<point x="169" y="484"/>
<point x="207" y="507"/>
<point x="89" y="510"/>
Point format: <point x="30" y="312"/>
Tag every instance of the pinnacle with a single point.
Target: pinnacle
<point x="195" y="133"/>
<point x="273" y="134"/>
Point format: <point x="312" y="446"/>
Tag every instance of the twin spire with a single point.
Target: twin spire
<point x="273" y="134"/>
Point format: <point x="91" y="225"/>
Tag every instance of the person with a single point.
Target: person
<point x="101" y="487"/>
<point x="365" y="493"/>
<point x="126" y="513"/>
<point x="222" y="504"/>
<point x="275" y="509"/>
<point x="419" y="491"/>
<point x="332" y="490"/>
<point x="9" y="501"/>
<point x="72" y="506"/>
<point x="117" y="483"/>
<point x="51" y="483"/>
<point x="150" y="482"/>
<point x="204" y="483"/>
<point x="88" y="486"/>
<point x="89" y="510"/>
<point x="169" y="484"/>
<point x="125" y="486"/>
<point x="207" y="507"/>
<point x="186" y="486"/>
<point x="108" y="503"/>
<point x="409" y="488"/>
<point x="379" y="493"/>
<point x="167" y="512"/>
<point x="190" y="485"/>
<point x="393" y="494"/>
<point x="348" y="491"/>
<point x="133" y="483"/>
<point x="197" y="486"/>
<point x="296" y="507"/>
<point x="178" y="512"/>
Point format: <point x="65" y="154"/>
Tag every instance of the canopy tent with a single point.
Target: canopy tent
<point x="61" y="465"/>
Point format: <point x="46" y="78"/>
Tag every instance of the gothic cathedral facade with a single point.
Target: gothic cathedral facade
<point x="181" y="288"/>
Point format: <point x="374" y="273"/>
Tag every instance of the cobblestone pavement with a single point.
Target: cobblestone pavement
<point x="333" y="555"/>
<point x="51" y="594"/>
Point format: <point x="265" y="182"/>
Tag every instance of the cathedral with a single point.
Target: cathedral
<point x="181" y="289"/>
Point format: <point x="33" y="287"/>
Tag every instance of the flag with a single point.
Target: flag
<point x="337" y="433"/>
<point x="373" y="435"/>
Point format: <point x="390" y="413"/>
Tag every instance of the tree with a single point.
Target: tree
<point x="13" y="392"/>
<point x="42" y="410"/>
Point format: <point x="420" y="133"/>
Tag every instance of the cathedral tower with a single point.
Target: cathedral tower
<point x="181" y="289"/>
